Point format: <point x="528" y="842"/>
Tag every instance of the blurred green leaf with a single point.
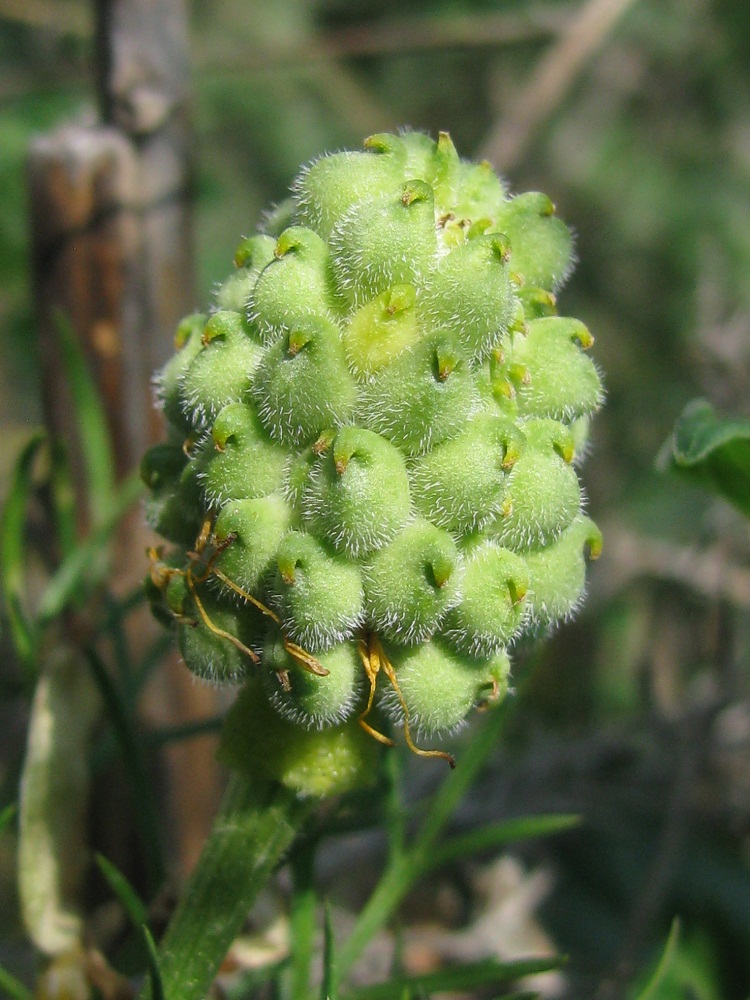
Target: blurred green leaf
<point x="473" y="975"/>
<point x="96" y="446"/>
<point x="14" y="988"/>
<point x="13" y="558"/>
<point x="7" y="815"/>
<point x="496" y="835"/>
<point x="129" y="899"/>
<point x="85" y="566"/>
<point x="713" y="451"/>
<point x="154" y="969"/>
<point x="651" y="990"/>
<point x="328" y="990"/>
<point x="135" y="770"/>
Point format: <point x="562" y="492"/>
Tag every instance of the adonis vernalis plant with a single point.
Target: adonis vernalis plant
<point x="369" y="485"/>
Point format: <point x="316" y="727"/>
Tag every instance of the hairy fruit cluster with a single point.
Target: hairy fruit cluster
<point x="369" y="483"/>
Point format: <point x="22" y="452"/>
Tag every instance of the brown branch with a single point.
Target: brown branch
<point x="551" y="81"/>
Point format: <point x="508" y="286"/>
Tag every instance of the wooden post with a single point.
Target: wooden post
<point x="112" y="251"/>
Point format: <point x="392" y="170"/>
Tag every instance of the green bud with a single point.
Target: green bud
<point x="557" y="572"/>
<point x="248" y="532"/>
<point x="221" y="373"/>
<point x="311" y="700"/>
<point x="330" y="186"/>
<point x="543" y="493"/>
<point x="440" y="687"/>
<point x="471" y="294"/>
<point x="318" y="594"/>
<point x="461" y="485"/>
<point x="385" y="242"/>
<point x="211" y="642"/>
<point x="314" y="763"/>
<point x="412" y="582"/>
<point x="424" y="397"/>
<point x="239" y="460"/>
<point x="174" y="507"/>
<point x="542" y="244"/>
<point x="381" y="330"/>
<point x="188" y="344"/>
<point x="550" y="374"/>
<point x="492" y="609"/>
<point x="303" y="384"/>
<point x="358" y="496"/>
<point x="250" y="258"/>
<point x="293" y="287"/>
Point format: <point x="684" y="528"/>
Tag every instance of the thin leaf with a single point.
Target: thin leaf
<point x="135" y="771"/>
<point x="130" y="901"/>
<point x="154" y="968"/>
<point x="473" y="975"/>
<point x="328" y="990"/>
<point x="92" y="423"/>
<point x="13" y="559"/>
<point x="63" y="499"/>
<point x="85" y="568"/>
<point x="302" y="919"/>
<point x="495" y="835"/>
<point x="650" y="991"/>
<point x="14" y="988"/>
<point x="713" y="451"/>
<point x="188" y="730"/>
<point x="7" y="816"/>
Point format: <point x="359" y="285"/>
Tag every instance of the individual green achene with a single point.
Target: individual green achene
<point x="370" y="481"/>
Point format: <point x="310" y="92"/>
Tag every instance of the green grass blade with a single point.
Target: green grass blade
<point x="63" y="499"/>
<point x="154" y="968"/>
<point x="302" y="919"/>
<point x="130" y="901"/>
<point x="86" y="567"/>
<point x="14" y="988"/>
<point x="459" y="978"/>
<point x="328" y="989"/>
<point x="13" y="559"/>
<point x="495" y="835"/>
<point x="92" y="422"/>
<point x="651" y="990"/>
<point x="7" y="816"/>
<point x="404" y="869"/>
<point x="135" y="770"/>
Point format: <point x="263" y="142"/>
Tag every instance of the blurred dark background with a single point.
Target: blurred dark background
<point x="635" y="118"/>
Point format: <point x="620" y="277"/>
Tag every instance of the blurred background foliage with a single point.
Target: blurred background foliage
<point x="638" y="714"/>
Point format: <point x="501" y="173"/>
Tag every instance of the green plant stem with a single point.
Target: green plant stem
<point x="406" y="866"/>
<point x="255" y="826"/>
<point x="302" y="919"/>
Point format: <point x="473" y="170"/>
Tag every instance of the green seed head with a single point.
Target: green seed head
<point x="370" y="481"/>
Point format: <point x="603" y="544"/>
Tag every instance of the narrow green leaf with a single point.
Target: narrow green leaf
<point x="302" y="919"/>
<point x="86" y="566"/>
<point x="135" y="770"/>
<point x="63" y="499"/>
<point x="14" y="988"/>
<point x="188" y="730"/>
<point x="328" y="990"/>
<point x="495" y="835"/>
<point x="7" y="816"/>
<point x="130" y="901"/>
<point x="651" y="989"/>
<point x="713" y="451"/>
<point x="92" y="421"/>
<point x="472" y="976"/>
<point x="403" y="869"/>
<point x="154" y="968"/>
<point x="13" y="559"/>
